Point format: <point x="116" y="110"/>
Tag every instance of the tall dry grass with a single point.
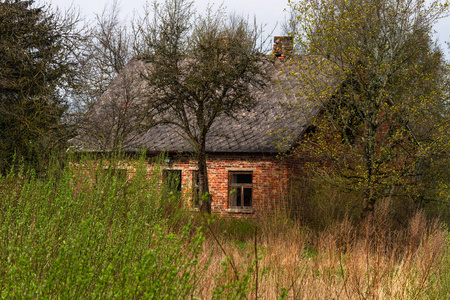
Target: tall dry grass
<point x="369" y="260"/>
<point x="90" y="233"/>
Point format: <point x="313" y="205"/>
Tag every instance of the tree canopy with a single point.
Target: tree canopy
<point x="200" y="68"/>
<point x="35" y="65"/>
<point x="389" y="115"/>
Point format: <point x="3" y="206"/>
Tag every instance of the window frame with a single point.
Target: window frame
<point x="239" y="187"/>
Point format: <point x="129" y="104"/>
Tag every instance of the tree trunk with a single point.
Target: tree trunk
<point x="369" y="205"/>
<point x="203" y="188"/>
<point x="369" y="149"/>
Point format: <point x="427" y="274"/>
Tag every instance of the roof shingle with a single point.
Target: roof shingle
<point x="270" y="127"/>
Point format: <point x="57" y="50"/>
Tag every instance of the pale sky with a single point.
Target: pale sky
<point x="266" y="12"/>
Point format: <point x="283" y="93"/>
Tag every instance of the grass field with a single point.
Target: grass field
<point x="88" y="232"/>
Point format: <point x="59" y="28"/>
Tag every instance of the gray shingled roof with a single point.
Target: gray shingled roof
<point x="270" y="127"/>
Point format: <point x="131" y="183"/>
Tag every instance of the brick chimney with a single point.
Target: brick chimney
<point x="282" y="46"/>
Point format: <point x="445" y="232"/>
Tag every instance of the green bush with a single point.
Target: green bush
<point x="91" y="233"/>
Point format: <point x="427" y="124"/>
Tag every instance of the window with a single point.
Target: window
<point x="173" y="179"/>
<point x="240" y="189"/>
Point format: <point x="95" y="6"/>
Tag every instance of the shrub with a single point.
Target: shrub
<point x="72" y="237"/>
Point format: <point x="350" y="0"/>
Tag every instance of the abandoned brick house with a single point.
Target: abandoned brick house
<point x="243" y="153"/>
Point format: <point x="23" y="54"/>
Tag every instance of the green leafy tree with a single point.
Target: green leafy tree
<point x="200" y="67"/>
<point x="388" y="114"/>
<point x="35" y="67"/>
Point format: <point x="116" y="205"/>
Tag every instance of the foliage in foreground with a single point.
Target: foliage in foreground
<point x="94" y="235"/>
<point x="88" y="232"/>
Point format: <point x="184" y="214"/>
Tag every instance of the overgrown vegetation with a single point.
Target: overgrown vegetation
<point x="91" y="233"/>
<point x="383" y="128"/>
<point x="114" y="227"/>
<point x="88" y="231"/>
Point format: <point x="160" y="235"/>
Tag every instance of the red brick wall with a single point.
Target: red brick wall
<point x="270" y="180"/>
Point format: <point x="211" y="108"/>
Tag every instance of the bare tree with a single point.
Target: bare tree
<point x="199" y="68"/>
<point x="110" y="120"/>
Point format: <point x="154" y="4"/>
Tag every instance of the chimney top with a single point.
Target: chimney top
<point x="282" y="46"/>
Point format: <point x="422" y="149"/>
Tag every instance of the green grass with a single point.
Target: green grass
<point x="91" y="234"/>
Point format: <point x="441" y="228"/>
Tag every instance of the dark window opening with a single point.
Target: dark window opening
<point x="240" y="189"/>
<point x="173" y="179"/>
